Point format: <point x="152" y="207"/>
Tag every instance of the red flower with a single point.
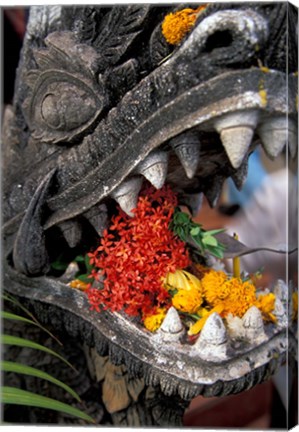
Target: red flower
<point x="135" y="255"/>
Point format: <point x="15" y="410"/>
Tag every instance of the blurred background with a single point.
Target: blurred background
<point x="263" y="214"/>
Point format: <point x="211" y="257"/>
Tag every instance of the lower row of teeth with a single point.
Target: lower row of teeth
<point x="217" y="340"/>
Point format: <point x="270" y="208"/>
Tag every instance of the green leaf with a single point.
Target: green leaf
<point x="217" y="252"/>
<point x="191" y="315"/>
<point x="198" y="241"/>
<point x="213" y="232"/>
<point x="172" y="292"/>
<point x="79" y="258"/>
<point x="209" y="240"/>
<point x="7" y="366"/>
<point x="14" y="301"/>
<point x="59" y="265"/>
<point x="195" y="231"/>
<point x="85" y="278"/>
<point x="15" y="396"/>
<point x="14" y="340"/>
<point x="12" y="316"/>
<point x="87" y="264"/>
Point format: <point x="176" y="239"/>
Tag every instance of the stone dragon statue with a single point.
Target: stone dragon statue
<point x="102" y="101"/>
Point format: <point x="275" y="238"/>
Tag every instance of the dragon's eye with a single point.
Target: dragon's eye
<point x="65" y="96"/>
<point x="62" y="106"/>
<point x="67" y="107"/>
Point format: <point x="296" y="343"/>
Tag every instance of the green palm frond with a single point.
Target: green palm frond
<point x="16" y="396"/>
<point x="17" y="341"/>
<point x="8" y="366"/>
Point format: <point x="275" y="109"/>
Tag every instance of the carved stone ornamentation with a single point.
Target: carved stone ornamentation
<point x="103" y="103"/>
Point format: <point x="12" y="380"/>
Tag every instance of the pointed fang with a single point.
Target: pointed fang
<point x="281" y="290"/>
<point x="193" y="202"/>
<point x="154" y="168"/>
<point x="280" y="313"/>
<point x="274" y="135"/>
<point x="254" y="326"/>
<point x="187" y="149"/>
<point x="171" y="329"/>
<point x="236" y="142"/>
<point x="126" y="195"/>
<point x="172" y="322"/>
<point x="213" y="190"/>
<point x="236" y="131"/>
<point x="240" y="176"/>
<point x="72" y="232"/>
<point x="293" y="138"/>
<point x="212" y="343"/>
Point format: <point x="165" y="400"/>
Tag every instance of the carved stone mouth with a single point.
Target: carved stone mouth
<point x="194" y="163"/>
<point x="223" y="360"/>
<point x="189" y="130"/>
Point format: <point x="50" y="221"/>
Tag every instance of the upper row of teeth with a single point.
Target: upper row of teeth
<point x="236" y="131"/>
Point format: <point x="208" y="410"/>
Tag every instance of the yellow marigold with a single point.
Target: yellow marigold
<point x="176" y="25"/>
<point x="153" y="322"/>
<point x="241" y="297"/>
<point x="77" y="284"/>
<point x="187" y="300"/>
<point x="211" y="283"/>
<point x="295" y="305"/>
<point x="233" y="294"/>
<point x="266" y="304"/>
<point x="182" y="280"/>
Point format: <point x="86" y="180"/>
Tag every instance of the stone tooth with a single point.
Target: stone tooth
<point x="293" y="138"/>
<point x="97" y="216"/>
<point x="193" y="202"/>
<point x="154" y="168"/>
<point x="236" y="131"/>
<point x="273" y="134"/>
<point x="172" y="328"/>
<point x="254" y="326"/>
<point x="280" y="313"/>
<point x="72" y="232"/>
<point x="187" y="149"/>
<point x="213" y="190"/>
<point x="281" y="290"/>
<point x="240" y="176"/>
<point x="212" y="343"/>
<point x="126" y="195"/>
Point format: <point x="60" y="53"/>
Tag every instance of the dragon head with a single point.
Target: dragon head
<point x="110" y="97"/>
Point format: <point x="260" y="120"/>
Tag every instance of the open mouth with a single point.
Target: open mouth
<point x="224" y="359"/>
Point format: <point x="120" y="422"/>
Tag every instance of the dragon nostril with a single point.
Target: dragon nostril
<point x="219" y="39"/>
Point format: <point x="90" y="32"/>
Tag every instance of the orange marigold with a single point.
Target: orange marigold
<point x="241" y="296"/>
<point x="266" y="304"/>
<point x="153" y="322"/>
<point x="77" y="284"/>
<point x="187" y="300"/>
<point x="176" y="25"/>
<point x="234" y="295"/>
<point x="211" y="283"/>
